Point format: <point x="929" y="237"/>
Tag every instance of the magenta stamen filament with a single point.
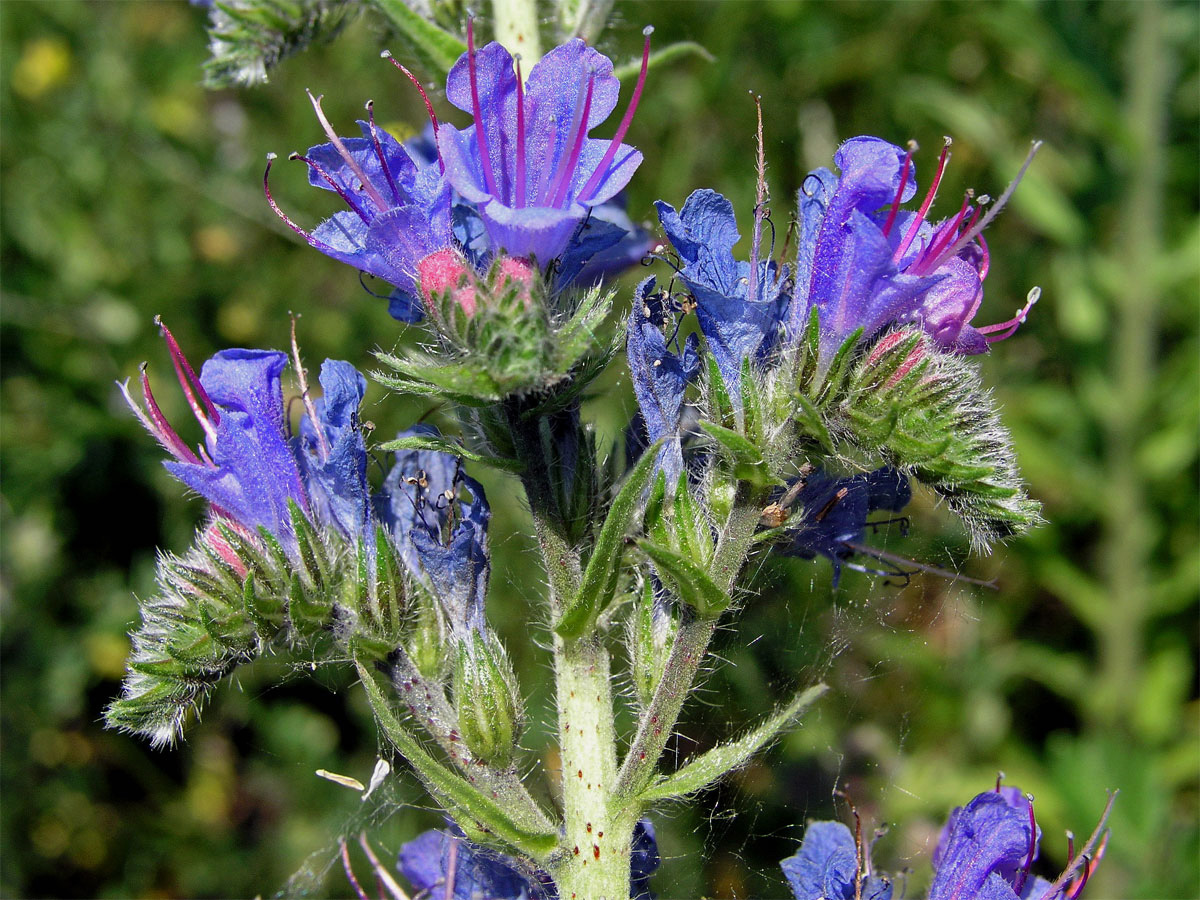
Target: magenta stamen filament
<point x="928" y="202"/>
<point x="974" y="230"/>
<point x="1009" y="328"/>
<point x="203" y="409"/>
<point x="563" y="181"/>
<point x="520" y="198"/>
<point x="489" y="176"/>
<point x="375" y="196"/>
<point x="1024" y="873"/>
<point x="932" y="257"/>
<point x="157" y="423"/>
<point x="898" y="199"/>
<point x="433" y="119"/>
<point x="387" y="173"/>
<point x="339" y="189"/>
<point x="597" y="176"/>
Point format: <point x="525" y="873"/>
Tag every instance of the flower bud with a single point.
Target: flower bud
<point x="486" y="699"/>
<point x="426" y="638"/>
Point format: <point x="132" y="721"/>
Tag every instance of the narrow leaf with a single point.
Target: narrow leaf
<point x="599" y="581"/>
<point x="442" y="444"/>
<point x="437" y="50"/>
<point x="719" y="761"/>
<point x="691" y="583"/>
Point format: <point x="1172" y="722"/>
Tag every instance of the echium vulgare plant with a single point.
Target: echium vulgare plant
<point x="782" y="400"/>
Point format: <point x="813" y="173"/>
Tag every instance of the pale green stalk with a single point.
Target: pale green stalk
<point x="515" y="26"/>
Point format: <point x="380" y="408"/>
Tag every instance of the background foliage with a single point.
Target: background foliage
<point x="128" y="190"/>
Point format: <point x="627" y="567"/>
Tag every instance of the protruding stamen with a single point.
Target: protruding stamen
<point x="899" y="198"/>
<point x="310" y="408"/>
<point x="1070" y="845"/>
<point x="155" y="422"/>
<point x="598" y="176"/>
<point x="971" y="232"/>
<point x="1077" y="887"/>
<point x="566" y="164"/>
<point x="1085" y="855"/>
<point x="932" y="256"/>
<point x="489" y="176"/>
<point x="943" y="160"/>
<point x="341" y="191"/>
<point x="375" y="196"/>
<point x="279" y="212"/>
<point x="1002" y="330"/>
<point x="1033" y="843"/>
<point x="520" y="198"/>
<point x="760" y="201"/>
<point x="202" y="407"/>
<point x="349" y="869"/>
<point x="387" y="172"/>
<point x="433" y="119"/>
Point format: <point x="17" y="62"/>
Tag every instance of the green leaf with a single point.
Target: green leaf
<point x="690" y="582"/>
<point x="739" y="449"/>
<point x="455" y="793"/>
<point x="436" y="49"/>
<point x="809" y="418"/>
<point x="599" y="581"/>
<point x="721" y="760"/>
<point x="442" y="444"/>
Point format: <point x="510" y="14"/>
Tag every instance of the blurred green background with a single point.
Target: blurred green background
<point x="128" y="190"/>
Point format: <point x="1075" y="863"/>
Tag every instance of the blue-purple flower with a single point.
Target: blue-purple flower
<point x="527" y="162"/>
<point x="246" y="467"/>
<point x="334" y="454"/>
<point x="440" y="535"/>
<point x="828" y="867"/>
<point x="864" y="263"/>
<point x="524" y="179"/>
<point x="833" y="523"/>
<point x="660" y="375"/>
<point x="739" y="314"/>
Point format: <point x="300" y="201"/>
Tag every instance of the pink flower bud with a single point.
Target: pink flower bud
<point x="446" y="271"/>
<point x="516" y="272"/>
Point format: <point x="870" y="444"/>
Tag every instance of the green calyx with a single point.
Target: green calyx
<point x="904" y="402"/>
<point x="233" y="596"/>
<point x="503" y="336"/>
<point x="486" y="700"/>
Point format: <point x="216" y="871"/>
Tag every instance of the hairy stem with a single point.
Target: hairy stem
<point x="428" y="706"/>
<point x="598" y="834"/>
<point x="688" y="651"/>
<point x="516" y="27"/>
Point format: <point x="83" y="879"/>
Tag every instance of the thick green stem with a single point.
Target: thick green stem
<point x="598" y="835"/>
<point x="516" y="27"/>
<point x="1135" y="332"/>
<point x="688" y="651"/>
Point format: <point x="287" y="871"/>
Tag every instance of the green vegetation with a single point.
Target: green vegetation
<point x="128" y="190"/>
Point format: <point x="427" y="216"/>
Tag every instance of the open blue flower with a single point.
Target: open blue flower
<point x="246" y="468"/>
<point x="660" y="376"/>
<point x="826" y="867"/>
<point x="399" y="208"/>
<point x="527" y="162"/>
<point x="739" y="315"/>
<point x="863" y="262"/>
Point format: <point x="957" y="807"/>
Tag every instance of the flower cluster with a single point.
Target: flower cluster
<point x="985" y="852"/>
<point x="524" y="180"/>
<point x="254" y="473"/>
